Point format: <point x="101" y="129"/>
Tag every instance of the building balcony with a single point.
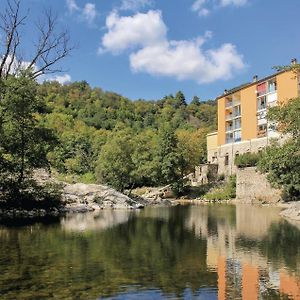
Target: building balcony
<point x="228" y="117"/>
<point x="236" y="102"/>
<point x="228" y="103"/>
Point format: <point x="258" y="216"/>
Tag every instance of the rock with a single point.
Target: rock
<point x="82" y="196"/>
<point x="292" y="211"/>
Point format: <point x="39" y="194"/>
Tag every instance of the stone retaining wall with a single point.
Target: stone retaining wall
<point x="252" y="186"/>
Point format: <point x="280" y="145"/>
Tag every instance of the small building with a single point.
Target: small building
<point x="242" y="123"/>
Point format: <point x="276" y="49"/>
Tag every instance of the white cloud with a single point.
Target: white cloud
<point x="89" y="12"/>
<point x="233" y="2"/>
<point x="62" y="79"/>
<point x="14" y="66"/>
<point x="187" y="60"/>
<point x="135" y="5"/>
<point x="128" y="32"/>
<point x="198" y="6"/>
<point x="145" y="35"/>
<point x="204" y="7"/>
<point x="72" y="6"/>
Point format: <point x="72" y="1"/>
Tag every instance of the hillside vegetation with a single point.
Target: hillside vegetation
<point x="104" y="137"/>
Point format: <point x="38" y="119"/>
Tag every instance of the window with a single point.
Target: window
<point x="226" y="160"/>
<point x="229" y="126"/>
<point x="261" y="89"/>
<point x="229" y="138"/>
<point x="272" y="86"/>
<point x="262" y="103"/>
<point x="237" y="111"/>
<point x="237" y="123"/>
<point x="237" y="136"/>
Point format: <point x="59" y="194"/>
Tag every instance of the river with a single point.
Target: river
<point x="187" y="252"/>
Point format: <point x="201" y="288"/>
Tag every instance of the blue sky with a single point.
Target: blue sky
<point x="151" y="48"/>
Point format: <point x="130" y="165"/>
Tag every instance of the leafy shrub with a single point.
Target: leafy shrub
<point x="282" y="165"/>
<point x="247" y="160"/>
<point x="225" y="192"/>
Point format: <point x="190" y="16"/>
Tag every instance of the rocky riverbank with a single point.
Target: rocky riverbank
<point x="291" y="211"/>
<point x="80" y="198"/>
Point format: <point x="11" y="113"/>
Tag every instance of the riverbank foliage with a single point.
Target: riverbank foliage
<point x="225" y="191"/>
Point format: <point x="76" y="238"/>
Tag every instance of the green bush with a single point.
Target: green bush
<point x="224" y="192"/>
<point x="247" y="160"/>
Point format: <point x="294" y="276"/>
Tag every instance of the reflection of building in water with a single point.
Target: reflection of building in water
<point x="243" y="272"/>
<point x="289" y="285"/>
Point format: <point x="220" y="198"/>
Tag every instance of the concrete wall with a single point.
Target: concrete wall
<point x="252" y="186"/>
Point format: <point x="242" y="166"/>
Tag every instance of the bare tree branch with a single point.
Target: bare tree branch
<point x="51" y="47"/>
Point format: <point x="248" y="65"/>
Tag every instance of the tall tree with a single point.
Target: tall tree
<point x="180" y="99"/>
<point x="24" y="142"/>
<point x="195" y="101"/>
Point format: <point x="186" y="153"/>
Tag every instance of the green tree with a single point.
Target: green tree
<point x="282" y="162"/>
<point x="115" y="165"/>
<point x="195" y="101"/>
<point x="24" y="142"/>
<point x="179" y="99"/>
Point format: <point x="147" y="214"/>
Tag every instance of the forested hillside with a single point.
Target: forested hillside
<point x="107" y="138"/>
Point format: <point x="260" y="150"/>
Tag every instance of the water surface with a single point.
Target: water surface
<point x="192" y="252"/>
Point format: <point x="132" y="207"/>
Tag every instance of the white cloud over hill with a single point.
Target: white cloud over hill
<point x="144" y="35"/>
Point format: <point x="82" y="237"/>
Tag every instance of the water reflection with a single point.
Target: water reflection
<point x="95" y="221"/>
<point x="248" y="247"/>
<point x="206" y="252"/>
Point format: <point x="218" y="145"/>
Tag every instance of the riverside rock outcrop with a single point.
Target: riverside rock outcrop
<point x="80" y="197"/>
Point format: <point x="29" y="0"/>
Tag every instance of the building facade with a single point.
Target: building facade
<point x="242" y="123"/>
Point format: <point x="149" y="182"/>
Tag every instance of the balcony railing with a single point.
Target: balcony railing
<point x="228" y="103"/>
<point x="236" y="102"/>
<point x="229" y="117"/>
<point x="261" y="107"/>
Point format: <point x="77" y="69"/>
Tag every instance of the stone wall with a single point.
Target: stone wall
<point x="203" y="174"/>
<point x="252" y="186"/>
<point x="218" y="156"/>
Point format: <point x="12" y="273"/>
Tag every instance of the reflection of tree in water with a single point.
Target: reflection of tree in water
<point x="165" y="249"/>
<point x="161" y="253"/>
<point x="157" y="253"/>
<point x="281" y="245"/>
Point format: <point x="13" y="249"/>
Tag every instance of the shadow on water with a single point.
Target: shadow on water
<point x="203" y="252"/>
<point x="19" y="222"/>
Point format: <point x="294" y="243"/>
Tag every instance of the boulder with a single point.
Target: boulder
<point x="81" y="197"/>
<point x="292" y="212"/>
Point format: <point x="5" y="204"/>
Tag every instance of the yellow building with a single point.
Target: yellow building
<point x="242" y="123"/>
